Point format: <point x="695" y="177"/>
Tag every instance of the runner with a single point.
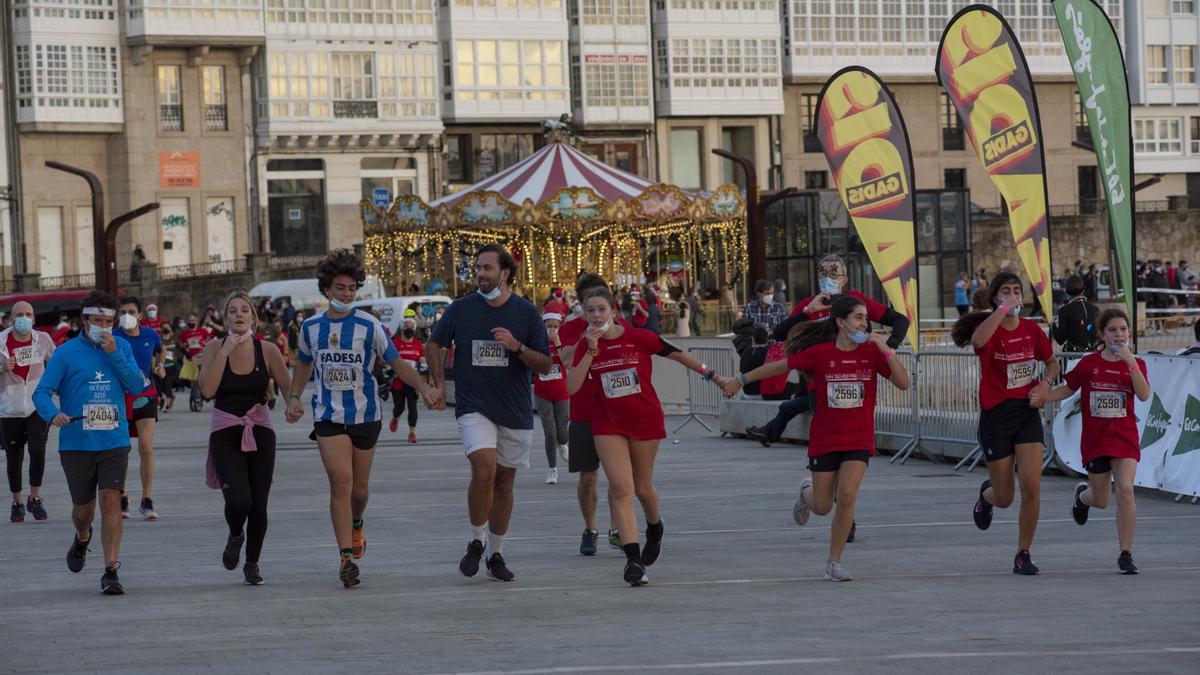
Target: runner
<point x="627" y="418"/>
<point x="241" y="445"/>
<point x="342" y="344"/>
<point x="193" y="338"/>
<point x="23" y="356"/>
<point x="91" y="374"/>
<point x="413" y="353"/>
<point x="1107" y="381"/>
<point x="498" y="338"/>
<point x="550" y="398"/>
<point x="1010" y="426"/>
<point x="143" y="412"/>
<point x="152" y="320"/>
<point x="843" y="368"/>
<point x="166" y="384"/>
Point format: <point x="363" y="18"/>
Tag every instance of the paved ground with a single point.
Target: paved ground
<point x="738" y="588"/>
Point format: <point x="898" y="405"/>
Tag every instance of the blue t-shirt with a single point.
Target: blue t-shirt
<point x="960" y="294"/>
<point x="145" y="345"/>
<point x="489" y="379"/>
<point x="91" y="385"/>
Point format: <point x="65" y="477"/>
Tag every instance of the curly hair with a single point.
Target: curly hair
<point x="340" y="261"/>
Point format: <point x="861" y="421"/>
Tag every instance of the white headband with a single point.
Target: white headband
<point x="551" y="315"/>
<point x="98" y="311"/>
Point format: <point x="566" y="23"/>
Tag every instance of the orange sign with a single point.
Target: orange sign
<point x="178" y="170"/>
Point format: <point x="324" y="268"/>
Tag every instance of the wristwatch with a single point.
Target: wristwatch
<point x="521" y="349"/>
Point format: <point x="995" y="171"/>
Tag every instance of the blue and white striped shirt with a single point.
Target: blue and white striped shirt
<point x="343" y="352"/>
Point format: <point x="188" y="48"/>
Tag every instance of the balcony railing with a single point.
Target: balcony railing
<point x="292" y="261"/>
<point x="215" y="118"/>
<point x="171" y="117"/>
<point x="356" y="109"/>
<point x="202" y="269"/>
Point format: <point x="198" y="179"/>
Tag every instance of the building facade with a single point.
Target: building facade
<point x="8" y="197"/>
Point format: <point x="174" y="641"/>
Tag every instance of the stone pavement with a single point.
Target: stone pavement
<point x="738" y="587"/>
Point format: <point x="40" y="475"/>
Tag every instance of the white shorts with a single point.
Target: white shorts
<point x="512" y="445"/>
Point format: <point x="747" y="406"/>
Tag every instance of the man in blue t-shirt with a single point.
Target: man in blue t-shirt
<point x="498" y="339"/>
<point x="147" y="350"/>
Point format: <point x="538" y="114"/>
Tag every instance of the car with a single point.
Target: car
<point x="305" y="294"/>
<point x="391" y="310"/>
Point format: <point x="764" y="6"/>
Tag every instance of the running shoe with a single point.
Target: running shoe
<point x="34" y="504"/>
<point x="412" y="437"/>
<point x="564" y="452"/>
<point x="1079" y="510"/>
<point x="983" y="510"/>
<point x="124" y="507"/>
<point x="835" y="572"/>
<point x="147" y="509"/>
<point x="1023" y="564"/>
<point x="1125" y="562"/>
<point x="552" y="476"/>
<point x="348" y="573"/>
<point x="18" y="513"/>
<point x="109" y="583"/>
<point x="497" y="570"/>
<point x="469" y="565"/>
<point x="587" y="545"/>
<point x="800" y="510"/>
<point x="635" y="574"/>
<point x="614" y="539"/>
<point x="653" y="546"/>
<point x="233" y="551"/>
<point x="358" y="542"/>
<point x="77" y="554"/>
<point x="250" y="571"/>
<point x="758" y="434"/>
<point x="393" y="424"/>
<point x="853" y="531"/>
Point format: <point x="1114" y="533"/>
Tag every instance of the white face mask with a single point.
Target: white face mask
<point x="152" y="313"/>
<point x="128" y="322"/>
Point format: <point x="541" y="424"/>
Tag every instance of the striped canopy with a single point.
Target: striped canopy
<point x="550" y="169"/>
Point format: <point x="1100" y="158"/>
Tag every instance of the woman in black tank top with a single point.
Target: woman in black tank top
<point x="236" y="372"/>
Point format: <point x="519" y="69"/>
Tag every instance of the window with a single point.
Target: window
<point x="954" y="179"/>
<point x="1157" y="136"/>
<point x="170" y="99"/>
<point x="1083" y="133"/>
<point x="1156" y="64"/>
<point x="815" y="180"/>
<point x="952" y="131"/>
<point x="533" y="69"/>
<point x="407" y="83"/>
<point x="353" y="79"/>
<point x="808" y="109"/>
<point x="1185" y="65"/>
<point x="1195" y="136"/>
<point x="215" y="118"/>
<point x="601" y="85"/>
<point x="502" y="151"/>
<point x="686" y="159"/>
<point x="458" y="147"/>
<point x="1183" y="6"/>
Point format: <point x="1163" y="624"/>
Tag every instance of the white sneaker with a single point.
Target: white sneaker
<point x="800" y="510"/>
<point x="835" y="572"/>
<point x="552" y="476"/>
<point x="564" y="452"/>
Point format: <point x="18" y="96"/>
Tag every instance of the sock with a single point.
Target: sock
<point x="495" y="543"/>
<point x="357" y="523"/>
<point x="633" y="552"/>
<point x="347" y="553"/>
<point x="477" y="532"/>
<point x="654" y="530"/>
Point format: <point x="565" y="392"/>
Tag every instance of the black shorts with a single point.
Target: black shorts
<point x="833" y="461"/>
<point x="88" y="471"/>
<point x="1007" y="425"/>
<point x="146" y="412"/>
<point x="583" y="455"/>
<point x="1100" y="464"/>
<point x="362" y="436"/>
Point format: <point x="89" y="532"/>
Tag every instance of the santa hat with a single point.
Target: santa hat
<point x="552" y="315"/>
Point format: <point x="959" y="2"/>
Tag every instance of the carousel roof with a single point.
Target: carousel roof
<point x="551" y="169"/>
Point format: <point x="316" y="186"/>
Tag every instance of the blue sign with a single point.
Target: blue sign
<point x="381" y="196"/>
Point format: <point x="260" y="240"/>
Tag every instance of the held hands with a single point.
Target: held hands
<point x="730" y="386"/>
<point x="434" y="397"/>
<point x="819" y="302"/>
<point x="294" y="410"/>
<point x="506" y="339"/>
<point x="1037" y="397"/>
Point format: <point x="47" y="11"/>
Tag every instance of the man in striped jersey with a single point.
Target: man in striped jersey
<point x="342" y="345"/>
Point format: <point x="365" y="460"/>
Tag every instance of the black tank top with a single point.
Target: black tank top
<point x="237" y="394"/>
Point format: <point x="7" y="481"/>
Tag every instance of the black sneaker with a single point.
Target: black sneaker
<point x="497" y="570"/>
<point x="77" y="554"/>
<point x="109" y="583"/>
<point x="983" y="510"/>
<point x="853" y="530"/>
<point x="635" y="574"/>
<point x="124" y="507"/>
<point x="1125" y="562"/>
<point x="1079" y="510"/>
<point x="653" y="546"/>
<point x="469" y="565"/>
<point x="758" y="434"/>
<point x="18" y="513"/>
<point x="587" y="545"/>
<point x="34" y="505"/>
<point x="233" y="551"/>
<point x="1023" y="564"/>
<point x="253" y="577"/>
<point x="348" y="573"/>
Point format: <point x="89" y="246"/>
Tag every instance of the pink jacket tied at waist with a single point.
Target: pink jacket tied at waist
<point x="258" y="416"/>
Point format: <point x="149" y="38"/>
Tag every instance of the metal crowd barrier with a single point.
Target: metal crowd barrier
<point x="704" y="398"/>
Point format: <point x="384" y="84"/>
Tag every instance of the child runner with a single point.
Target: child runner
<point x="552" y="401"/>
<point x="412" y="351"/>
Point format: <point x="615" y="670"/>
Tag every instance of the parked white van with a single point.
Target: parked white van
<point x="303" y="293"/>
<point x="391" y="310"/>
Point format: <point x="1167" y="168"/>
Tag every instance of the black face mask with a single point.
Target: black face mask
<point x="191" y="324"/>
<point x="409" y="333"/>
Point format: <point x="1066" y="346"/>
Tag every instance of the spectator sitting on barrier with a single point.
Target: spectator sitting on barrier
<point x="1075" y="325"/>
<point x="753" y="358"/>
<point x="763" y="310"/>
<point x="1194" y="350"/>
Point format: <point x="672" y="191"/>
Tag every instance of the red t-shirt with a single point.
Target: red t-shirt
<point x="152" y="324"/>
<point x="194" y="340"/>
<point x="553" y="385"/>
<point x="1008" y="362"/>
<point x="624" y="400"/>
<point x="59" y="336"/>
<point x="638" y="319"/>
<point x="845" y="385"/>
<point x="31" y="352"/>
<point x="581" y="401"/>
<point x="412" y="351"/>
<point x="875" y="310"/>
<point x="1106" y="398"/>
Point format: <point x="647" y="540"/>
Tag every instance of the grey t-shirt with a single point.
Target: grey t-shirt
<point x="489" y="379"/>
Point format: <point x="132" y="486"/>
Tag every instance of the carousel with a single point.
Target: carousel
<point x="561" y="212"/>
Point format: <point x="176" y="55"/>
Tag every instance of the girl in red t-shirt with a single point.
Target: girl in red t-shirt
<point x="551" y="400"/>
<point x="1107" y="381"/>
<point x="413" y="352"/>
<point x="1010" y="396"/>
<point x="627" y="418"/>
<point x="842" y="359"/>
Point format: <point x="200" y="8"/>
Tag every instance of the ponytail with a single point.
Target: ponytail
<point x="809" y="333"/>
<point x="964" y="328"/>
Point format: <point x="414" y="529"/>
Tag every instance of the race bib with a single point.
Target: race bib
<point x="339" y="377"/>
<point x="1020" y="374"/>
<point x="26" y="356"/>
<point x="488" y="354"/>
<point x="99" y="417"/>
<point x="1108" y="404"/>
<point x="621" y="383"/>
<point x="411" y="362"/>
<point x="193" y="343"/>
<point x="554" y="374"/>
<point x="842" y="395"/>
